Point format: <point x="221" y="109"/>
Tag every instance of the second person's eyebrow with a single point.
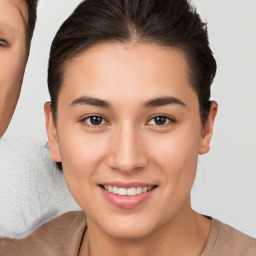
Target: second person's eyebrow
<point x="90" y="101"/>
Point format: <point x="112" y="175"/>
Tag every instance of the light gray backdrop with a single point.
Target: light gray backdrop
<point x="31" y="191"/>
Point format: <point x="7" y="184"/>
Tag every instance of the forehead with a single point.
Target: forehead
<point x="13" y="13"/>
<point x="129" y="71"/>
<point x="135" y="61"/>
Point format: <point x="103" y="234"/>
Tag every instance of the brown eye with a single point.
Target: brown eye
<point x="94" y="120"/>
<point x="160" y="120"/>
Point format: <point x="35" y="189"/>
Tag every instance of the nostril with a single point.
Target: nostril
<point x="128" y="165"/>
<point x="127" y="154"/>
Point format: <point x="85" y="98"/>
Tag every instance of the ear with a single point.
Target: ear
<point x="52" y="133"/>
<point x="208" y="129"/>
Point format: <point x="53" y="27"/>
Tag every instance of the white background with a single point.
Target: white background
<point x="225" y="186"/>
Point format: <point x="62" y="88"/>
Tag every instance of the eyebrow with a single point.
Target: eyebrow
<point x="163" y="101"/>
<point x="3" y="24"/>
<point x="157" y="102"/>
<point x="90" y="101"/>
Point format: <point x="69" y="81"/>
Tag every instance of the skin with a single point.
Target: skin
<point x="129" y="145"/>
<point x="13" y="56"/>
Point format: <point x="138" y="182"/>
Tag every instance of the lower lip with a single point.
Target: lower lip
<point x="127" y="201"/>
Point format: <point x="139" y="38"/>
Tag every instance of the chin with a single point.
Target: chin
<point x="128" y="228"/>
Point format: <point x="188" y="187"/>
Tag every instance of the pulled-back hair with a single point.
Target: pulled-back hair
<point x="32" y="6"/>
<point x="171" y="23"/>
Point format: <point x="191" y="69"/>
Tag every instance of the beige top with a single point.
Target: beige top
<point x="63" y="236"/>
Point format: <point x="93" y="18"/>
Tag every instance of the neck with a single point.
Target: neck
<point x="185" y="234"/>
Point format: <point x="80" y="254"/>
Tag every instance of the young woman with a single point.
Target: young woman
<point x="17" y="23"/>
<point x="130" y="112"/>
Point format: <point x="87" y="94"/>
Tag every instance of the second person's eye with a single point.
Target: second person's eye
<point x="3" y="42"/>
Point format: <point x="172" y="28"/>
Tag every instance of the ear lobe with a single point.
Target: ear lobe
<point x="52" y="133"/>
<point x="208" y="129"/>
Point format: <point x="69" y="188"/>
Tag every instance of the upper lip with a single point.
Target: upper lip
<point x="128" y="184"/>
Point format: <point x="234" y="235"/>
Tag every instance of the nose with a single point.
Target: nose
<point x="127" y="153"/>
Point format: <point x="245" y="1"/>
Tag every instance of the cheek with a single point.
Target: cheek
<point x="81" y="156"/>
<point x="178" y="148"/>
<point x="13" y="62"/>
<point x="12" y="70"/>
<point x="176" y="155"/>
<point x="80" y="150"/>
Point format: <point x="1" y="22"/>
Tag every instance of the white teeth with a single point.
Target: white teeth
<point x="122" y="191"/>
<point x="139" y="190"/>
<point x="114" y="189"/>
<point x="127" y="191"/>
<point x="131" y="191"/>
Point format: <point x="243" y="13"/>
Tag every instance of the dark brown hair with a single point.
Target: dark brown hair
<point x="32" y="16"/>
<point x="171" y="23"/>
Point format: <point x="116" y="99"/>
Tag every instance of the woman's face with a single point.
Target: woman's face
<point x="13" y="56"/>
<point x="128" y="122"/>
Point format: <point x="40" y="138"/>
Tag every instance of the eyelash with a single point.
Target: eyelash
<point x="167" y="119"/>
<point x="3" y="43"/>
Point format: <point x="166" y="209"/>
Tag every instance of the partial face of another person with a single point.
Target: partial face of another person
<point x="13" y="56"/>
<point x="128" y="133"/>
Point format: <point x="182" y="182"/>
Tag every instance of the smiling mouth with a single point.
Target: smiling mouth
<point x="127" y="191"/>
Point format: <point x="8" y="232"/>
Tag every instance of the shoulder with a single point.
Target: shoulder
<point x="226" y="240"/>
<point x="60" y="235"/>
